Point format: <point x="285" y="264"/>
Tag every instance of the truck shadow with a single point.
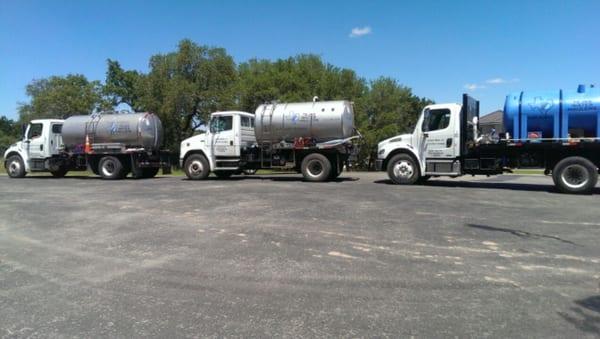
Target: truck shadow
<point x="490" y="185"/>
<point x="585" y="315"/>
<point x="273" y="177"/>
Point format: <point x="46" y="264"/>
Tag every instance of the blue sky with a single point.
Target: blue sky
<point x="438" y="48"/>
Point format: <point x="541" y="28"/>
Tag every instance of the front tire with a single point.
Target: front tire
<point x="196" y="167"/>
<point x="575" y="175"/>
<point x="316" y="167"/>
<point x="15" y="167"/>
<point x="403" y="170"/>
<point x="111" y="168"/>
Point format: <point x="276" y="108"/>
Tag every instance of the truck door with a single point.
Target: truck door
<point x="439" y="136"/>
<point x="223" y="136"/>
<point x="35" y="140"/>
<point x="55" y="138"/>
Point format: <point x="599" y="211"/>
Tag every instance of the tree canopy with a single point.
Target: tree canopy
<point x="184" y="86"/>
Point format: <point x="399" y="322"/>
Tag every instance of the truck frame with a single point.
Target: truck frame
<point x="230" y="147"/>
<point x="446" y="142"/>
<point x="41" y="150"/>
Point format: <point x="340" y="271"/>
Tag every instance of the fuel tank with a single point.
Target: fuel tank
<point x="319" y="120"/>
<point x="133" y="130"/>
<point x="558" y="114"/>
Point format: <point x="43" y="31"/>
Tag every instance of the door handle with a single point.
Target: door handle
<point x="426" y="135"/>
<point x="230" y="142"/>
<point x="41" y="147"/>
<point x="448" y="142"/>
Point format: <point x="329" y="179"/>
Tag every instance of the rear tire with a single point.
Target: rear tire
<point x="60" y="173"/>
<point x="403" y="169"/>
<point x="111" y="168"/>
<point x="15" y="167"/>
<point x="316" y="167"/>
<point x="575" y="175"/>
<point x="196" y="167"/>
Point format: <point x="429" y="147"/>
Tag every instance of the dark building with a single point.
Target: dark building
<point x="492" y="120"/>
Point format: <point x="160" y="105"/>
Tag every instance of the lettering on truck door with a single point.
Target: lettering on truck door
<point x="438" y="130"/>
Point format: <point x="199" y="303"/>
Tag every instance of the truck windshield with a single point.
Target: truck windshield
<point x="220" y="124"/>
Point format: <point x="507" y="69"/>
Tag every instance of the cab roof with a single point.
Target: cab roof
<point x="41" y="121"/>
<point x="245" y="114"/>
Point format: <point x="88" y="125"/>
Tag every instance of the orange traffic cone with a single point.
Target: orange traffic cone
<point x="88" y="147"/>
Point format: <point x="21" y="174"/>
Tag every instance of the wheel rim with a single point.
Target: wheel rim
<point x="108" y="168"/>
<point x="196" y="167"/>
<point x="14" y="167"/>
<point x="575" y="176"/>
<point x="404" y="169"/>
<point x="314" y="168"/>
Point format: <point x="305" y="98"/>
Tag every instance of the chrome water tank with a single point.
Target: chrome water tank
<point x="320" y="120"/>
<point x="134" y="130"/>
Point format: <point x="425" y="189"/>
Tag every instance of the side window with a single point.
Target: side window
<point x="220" y="124"/>
<point x="436" y="119"/>
<point x="57" y="129"/>
<point x="246" y="122"/>
<point x="35" y="130"/>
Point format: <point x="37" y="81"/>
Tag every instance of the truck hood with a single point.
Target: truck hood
<point x="406" y="138"/>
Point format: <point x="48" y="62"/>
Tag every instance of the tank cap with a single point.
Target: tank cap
<point x="581" y="89"/>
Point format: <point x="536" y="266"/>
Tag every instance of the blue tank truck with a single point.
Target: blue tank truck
<point x="558" y="131"/>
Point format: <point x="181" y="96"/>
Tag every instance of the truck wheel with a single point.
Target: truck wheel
<point x="15" y="167"/>
<point x="61" y="172"/>
<point x="150" y="172"/>
<point x="316" y="167"/>
<point x="402" y="169"/>
<point x="196" y="167"/>
<point x="575" y="175"/>
<point x="249" y="171"/>
<point x="111" y="168"/>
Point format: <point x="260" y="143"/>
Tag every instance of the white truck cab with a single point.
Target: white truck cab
<point x="41" y="141"/>
<point x="219" y="148"/>
<point x="432" y="148"/>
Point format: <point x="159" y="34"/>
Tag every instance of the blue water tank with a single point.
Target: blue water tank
<point x="553" y="114"/>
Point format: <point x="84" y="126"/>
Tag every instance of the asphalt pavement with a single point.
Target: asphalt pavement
<point x="273" y="256"/>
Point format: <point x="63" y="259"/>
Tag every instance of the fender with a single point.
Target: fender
<point x="398" y="144"/>
<point x="195" y="145"/>
<point x="17" y="149"/>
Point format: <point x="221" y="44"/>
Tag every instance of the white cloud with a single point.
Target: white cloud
<point x="473" y="87"/>
<point x="498" y="81"/>
<point x="357" y="32"/>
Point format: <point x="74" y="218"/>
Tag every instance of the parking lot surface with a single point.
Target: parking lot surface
<point x="272" y="256"/>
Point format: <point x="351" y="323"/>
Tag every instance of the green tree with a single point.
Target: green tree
<point x="61" y="97"/>
<point x="295" y="79"/>
<point x="9" y="133"/>
<point x="182" y="88"/>
<point x="387" y="110"/>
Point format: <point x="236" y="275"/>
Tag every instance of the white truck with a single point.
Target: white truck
<point x="446" y="142"/>
<point x="110" y="145"/>
<point x="312" y="138"/>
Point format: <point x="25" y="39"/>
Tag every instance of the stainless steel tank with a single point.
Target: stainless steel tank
<point x="321" y="120"/>
<point x="135" y="130"/>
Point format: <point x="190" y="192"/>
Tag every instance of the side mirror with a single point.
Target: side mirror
<point x="23" y="130"/>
